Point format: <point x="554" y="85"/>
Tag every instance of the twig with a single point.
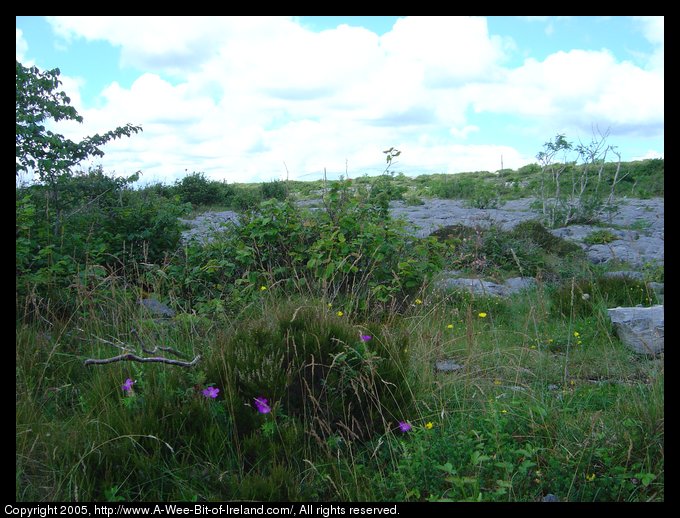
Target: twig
<point x="135" y="358"/>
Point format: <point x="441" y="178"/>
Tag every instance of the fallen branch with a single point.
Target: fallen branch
<point x="134" y="358"/>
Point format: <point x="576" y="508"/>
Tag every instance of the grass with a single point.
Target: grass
<point x="524" y="418"/>
<point x="548" y="401"/>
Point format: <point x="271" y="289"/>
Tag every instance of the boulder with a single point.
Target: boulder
<point x="479" y="287"/>
<point x="158" y="309"/>
<point x="641" y="329"/>
<point x="447" y="366"/>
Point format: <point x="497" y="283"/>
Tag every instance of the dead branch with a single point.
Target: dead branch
<point x="134" y="358"/>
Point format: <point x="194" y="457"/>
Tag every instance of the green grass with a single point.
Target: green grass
<point x="525" y="417"/>
<point x="548" y="399"/>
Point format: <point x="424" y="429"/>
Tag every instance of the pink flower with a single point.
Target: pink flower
<point x="211" y="392"/>
<point x="404" y="426"/>
<point x="127" y="386"/>
<point x="262" y="406"/>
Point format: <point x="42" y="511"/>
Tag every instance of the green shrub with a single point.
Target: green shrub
<point x="534" y="231"/>
<point x="600" y="237"/>
<point x="312" y="365"/>
<point x="198" y="190"/>
<point x="276" y="190"/>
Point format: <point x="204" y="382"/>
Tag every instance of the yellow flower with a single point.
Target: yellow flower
<point x="590" y="477"/>
<point x="330" y="305"/>
<point x="576" y="334"/>
<point x="579" y="342"/>
<point x="496" y="382"/>
<point x="504" y="411"/>
<point x="429" y="425"/>
<point x="339" y="313"/>
<point x="532" y="347"/>
<point x="418" y="301"/>
<point x="263" y="288"/>
<point x="482" y="315"/>
<point x="450" y="326"/>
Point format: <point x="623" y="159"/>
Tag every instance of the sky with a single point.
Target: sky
<point x="252" y="99"/>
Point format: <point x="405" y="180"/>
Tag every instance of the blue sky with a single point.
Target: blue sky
<point x="255" y="99"/>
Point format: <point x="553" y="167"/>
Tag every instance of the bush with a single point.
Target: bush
<point x="274" y="190"/>
<point x="313" y="366"/>
<point x="599" y="237"/>
<point x="198" y="190"/>
<point x="102" y="223"/>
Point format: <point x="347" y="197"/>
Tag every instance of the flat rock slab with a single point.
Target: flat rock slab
<point x="486" y="288"/>
<point x="641" y="329"/>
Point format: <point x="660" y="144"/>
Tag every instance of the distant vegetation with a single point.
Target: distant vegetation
<point x="309" y="339"/>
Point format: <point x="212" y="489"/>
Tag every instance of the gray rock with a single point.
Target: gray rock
<point x="474" y="286"/>
<point x="485" y="288"/>
<point x="658" y="290"/>
<point x="447" y="366"/>
<point x="550" y="498"/>
<point x="157" y="308"/>
<point x="517" y="284"/>
<point x="641" y="329"/>
<point x="626" y="273"/>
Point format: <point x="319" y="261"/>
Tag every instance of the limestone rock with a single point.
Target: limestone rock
<point x="641" y="329"/>
<point x="158" y="309"/>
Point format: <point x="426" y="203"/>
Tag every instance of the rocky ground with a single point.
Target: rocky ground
<point x="638" y="225"/>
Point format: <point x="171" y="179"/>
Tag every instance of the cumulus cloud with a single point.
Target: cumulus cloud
<point x="22" y="46"/>
<point x="238" y="97"/>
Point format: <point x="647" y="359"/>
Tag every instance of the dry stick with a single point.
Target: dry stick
<point x="135" y="358"/>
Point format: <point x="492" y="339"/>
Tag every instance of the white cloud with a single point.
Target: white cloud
<point x="22" y="47"/>
<point x="652" y="28"/>
<point x="649" y="154"/>
<point x="248" y="94"/>
<point x="578" y="88"/>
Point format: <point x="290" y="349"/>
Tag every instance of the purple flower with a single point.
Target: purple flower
<point x="262" y="406"/>
<point x="127" y="386"/>
<point x="211" y="392"/>
<point x="365" y="338"/>
<point x="404" y="426"/>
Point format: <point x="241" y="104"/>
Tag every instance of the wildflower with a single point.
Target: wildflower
<point x="496" y="382"/>
<point x="418" y="302"/>
<point x="450" y="326"/>
<point x="339" y="313"/>
<point x="429" y="425"/>
<point x="576" y="334"/>
<point x="404" y="426"/>
<point x="330" y="305"/>
<point x="504" y="411"/>
<point x="532" y="347"/>
<point x="365" y="338"/>
<point x="127" y="386"/>
<point x="211" y="392"/>
<point x="482" y="315"/>
<point x="590" y="477"/>
<point x="579" y="342"/>
<point x="262" y="406"/>
<point x="585" y="296"/>
<point x="263" y="288"/>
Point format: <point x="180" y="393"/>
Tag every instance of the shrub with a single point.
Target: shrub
<point x="198" y="190"/>
<point x="534" y="231"/>
<point x="276" y="190"/>
<point x="600" y="237"/>
<point x="312" y="365"/>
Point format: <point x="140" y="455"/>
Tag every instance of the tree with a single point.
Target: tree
<point x="47" y="153"/>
